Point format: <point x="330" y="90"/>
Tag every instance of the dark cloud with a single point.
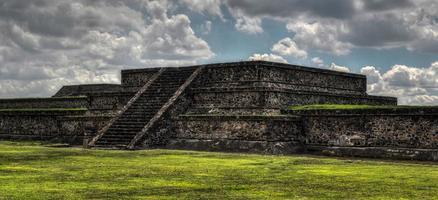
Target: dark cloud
<point x="387" y="4"/>
<point x="378" y="30"/>
<point x="293" y="8"/>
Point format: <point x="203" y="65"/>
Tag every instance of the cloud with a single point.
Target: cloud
<point x="247" y="24"/>
<point x="411" y="85"/>
<point x="206" y="28"/>
<point x="386" y="4"/>
<point x="294" y="8"/>
<point x="319" y="36"/>
<point x="318" y="62"/>
<point x="70" y="42"/>
<point x="338" y="26"/>
<point x="287" y="47"/>
<point x="267" y="57"/>
<point x="212" y="7"/>
<point x="339" y="68"/>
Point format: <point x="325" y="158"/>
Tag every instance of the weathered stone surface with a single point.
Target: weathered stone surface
<point x="134" y="79"/>
<point x="236" y="146"/>
<point x="376" y="152"/>
<point x="45" y="125"/>
<point x="87" y="90"/>
<point x="408" y="128"/>
<point x="61" y="102"/>
<point x="257" y="128"/>
<point x="237" y="107"/>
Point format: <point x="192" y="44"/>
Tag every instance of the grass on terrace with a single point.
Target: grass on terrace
<point x="350" y="107"/>
<point x="31" y="171"/>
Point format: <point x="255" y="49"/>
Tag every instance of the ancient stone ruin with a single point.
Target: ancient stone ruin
<point x="241" y="106"/>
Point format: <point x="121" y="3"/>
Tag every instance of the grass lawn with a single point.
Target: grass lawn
<point x="31" y="171"/>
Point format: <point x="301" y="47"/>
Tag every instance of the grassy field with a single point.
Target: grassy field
<point x="31" y="171"/>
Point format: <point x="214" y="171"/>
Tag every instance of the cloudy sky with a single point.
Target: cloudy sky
<point x="45" y="44"/>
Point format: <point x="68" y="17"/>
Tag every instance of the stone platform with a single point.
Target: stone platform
<point x="238" y="106"/>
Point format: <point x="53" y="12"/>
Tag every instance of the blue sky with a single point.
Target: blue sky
<point x="45" y="44"/>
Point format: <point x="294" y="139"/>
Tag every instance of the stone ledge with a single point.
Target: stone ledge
<point x="403" y="111"/>
<point x="376" y="152"/>
<point x="238" y="84"/>
<point x="156" y="69"/>
<point x="70" y="139"/>
<point x="85" y="117"/>
<point x="41" y="103"/>
<point x="256" y="63"/>
<point x="197" y="117"/>
<point x="278" y="147"/>
<point x="280" y="90"/>
<point x="42" y="112"/>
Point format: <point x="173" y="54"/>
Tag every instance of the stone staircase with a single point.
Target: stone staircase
<point x="145" y="108"/>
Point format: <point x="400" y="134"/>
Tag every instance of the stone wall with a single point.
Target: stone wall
<point x="265" y="134"/>
<point x="269" y="98"/>
<point x="381" y="131"/>
<point x="59" y="125"/>
<point x="77" y="128"/>
<point x="108" y="103"/>
<point x="87" y="90"/>
<point x="275" y="75"/>
<point x="267" y="85"/>
<point x="59" y="102"/>
<point x="411" y="128"/>
<point x="134" y="79"/>
<point x="39" y="125"/>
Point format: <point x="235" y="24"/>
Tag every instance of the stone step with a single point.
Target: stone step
<point x="116" y="139"/>
<point x="142" y="108"/>
<point x="135" y="117"/>
<point x="157" y="95"/>
<point x="130" y="120"/>
<point x="163" y="85"/>
<point x="147" y="99"/>
<point x="142" y="115"/>
<point x="152" y="99"/>
<point x="147" y="105"/>
<point x="128" y="126"/>
<point x="118" y="144"/>
<point x="130" y="123"/>
<point x="119" y="136"/>
<point x="142" y="111"/>
<point x="125" y="131"/>
<point x="128" y="135"/>
<point x="113" y="147"/>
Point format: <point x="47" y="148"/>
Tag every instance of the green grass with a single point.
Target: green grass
<point x="351" y="107"/>
<point x="31" y="171"/>
<point x="42" y="109"/>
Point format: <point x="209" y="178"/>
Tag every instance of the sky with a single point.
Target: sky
<point x="45" y="44"/>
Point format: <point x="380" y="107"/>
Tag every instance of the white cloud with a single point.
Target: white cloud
<point x="267" y="57"/>
<point x="72" y="42"/>
<point x="287" y="47"/>
<point x="320" y="37"/>
<point x="206" y="27"/>
<point x="247" y="24"/>
<point x="338" y="26"/>
<point x="212" y="7"/>
<point x="318" y="62"/>
<point x="339" y="68"/>
<point x="373" y="75"/>
<point x="410" y="84"/>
